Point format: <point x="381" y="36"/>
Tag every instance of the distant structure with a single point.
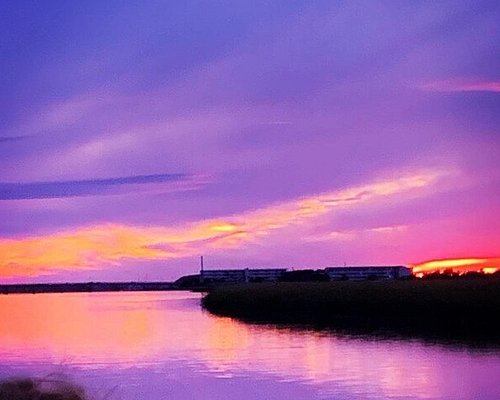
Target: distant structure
<point x="201" y="270"/>
<point x="247" y="275"/>
<point x="365" y="273"/>
<point x="241" y="275"/>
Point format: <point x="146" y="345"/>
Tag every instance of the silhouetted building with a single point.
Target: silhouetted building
<point x="364" y="273"/>
<point x="241" y="275"/>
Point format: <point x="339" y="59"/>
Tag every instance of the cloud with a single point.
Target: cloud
<point x="89" y="187"/>
<point x="461" y="86"/>
<point x="354" y="234"/>
<point x="486" y="264"/>
<point x="10" y="139"/>
<point x="110" y="244"/>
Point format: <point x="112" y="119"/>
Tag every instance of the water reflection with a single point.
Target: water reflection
<point x="159" y="332"/>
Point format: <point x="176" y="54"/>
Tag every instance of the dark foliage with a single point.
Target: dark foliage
<point x="32" y="389"/>
<point x="305" y="275"/>
<point x="454" y="308"/>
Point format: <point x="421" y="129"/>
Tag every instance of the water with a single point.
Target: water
<point x="162" y="345"/>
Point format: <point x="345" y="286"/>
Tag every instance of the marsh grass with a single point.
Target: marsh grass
<point x="455" y="308"/>
<point x="39" y="389"/>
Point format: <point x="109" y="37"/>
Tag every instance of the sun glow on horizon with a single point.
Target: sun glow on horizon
<point x="487" y="265"/>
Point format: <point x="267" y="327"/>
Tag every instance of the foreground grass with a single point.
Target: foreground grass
<point x="453" y="308"/>
<point x="39" y="389"/>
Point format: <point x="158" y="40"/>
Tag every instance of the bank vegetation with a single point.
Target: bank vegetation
<point x="452" y="308"/>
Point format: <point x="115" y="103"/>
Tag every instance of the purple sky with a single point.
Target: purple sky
<point x="135" y="136"/>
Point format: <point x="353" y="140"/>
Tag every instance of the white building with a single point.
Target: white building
<point x="363" y="273"/>
<point x="241" y="275"/>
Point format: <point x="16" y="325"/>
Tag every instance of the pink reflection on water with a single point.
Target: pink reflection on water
<point x="120" y="330"/>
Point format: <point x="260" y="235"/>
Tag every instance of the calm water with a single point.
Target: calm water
<point x="164" y="346"/>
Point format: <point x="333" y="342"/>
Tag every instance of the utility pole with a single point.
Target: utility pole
<point x="201" y="269"/>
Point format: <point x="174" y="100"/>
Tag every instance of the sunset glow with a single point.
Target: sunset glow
<point x="487" y="265"/>
<point x="251" y="199"/>
<point x="101" y="245"/>
<point x="136" y="137"/>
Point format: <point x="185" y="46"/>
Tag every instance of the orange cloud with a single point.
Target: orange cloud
<point x="486" y="265"/>
<point x="110" y="244"/>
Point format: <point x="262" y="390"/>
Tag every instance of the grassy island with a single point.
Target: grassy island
<point x="453" y="308"/>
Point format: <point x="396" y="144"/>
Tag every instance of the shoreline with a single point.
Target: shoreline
<point x="450" y="310"/>
<point x="34" y="288"/>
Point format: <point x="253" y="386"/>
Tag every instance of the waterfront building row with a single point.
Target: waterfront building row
<point x="364" y="273"/>
<point x="331" y="273"/>
<point x="242" y="275"/>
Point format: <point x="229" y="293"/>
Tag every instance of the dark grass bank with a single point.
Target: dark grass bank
<point x="40" y="389"/>
<point x="449" y="309"/>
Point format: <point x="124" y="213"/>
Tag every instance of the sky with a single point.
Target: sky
<point x="136" y="136"/>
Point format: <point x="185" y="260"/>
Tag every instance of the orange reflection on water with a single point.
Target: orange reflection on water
<point x="143" y="329"/>
<point x="80" y="327"/>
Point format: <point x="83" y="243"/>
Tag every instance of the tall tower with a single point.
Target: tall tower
<point x="201" y="269"/>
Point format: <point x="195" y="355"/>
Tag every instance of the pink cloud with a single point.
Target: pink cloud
<point x="461" y="85"/>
